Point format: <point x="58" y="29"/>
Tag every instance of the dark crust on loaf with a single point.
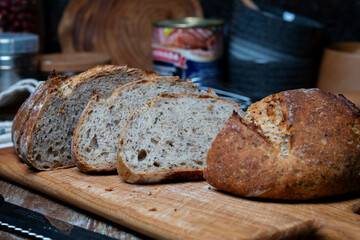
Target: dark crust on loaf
<point x="231" y="153"/>
<point x="324" y="149"/>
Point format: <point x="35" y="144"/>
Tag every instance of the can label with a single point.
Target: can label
<point x="190" y="53"/>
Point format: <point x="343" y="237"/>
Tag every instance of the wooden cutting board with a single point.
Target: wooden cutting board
<point x="190" y="210"/>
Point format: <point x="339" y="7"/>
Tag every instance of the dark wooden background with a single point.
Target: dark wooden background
<point x="341" y="17"/>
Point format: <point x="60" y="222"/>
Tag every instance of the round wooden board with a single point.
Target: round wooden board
<point x="121" y="28"/>
<point x="72" y="62"/>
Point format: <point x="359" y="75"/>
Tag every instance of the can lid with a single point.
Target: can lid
<point x="188" y="22"/>
<point x="18" y="43"/>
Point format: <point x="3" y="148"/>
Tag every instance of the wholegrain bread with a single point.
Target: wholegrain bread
<point x="23" y="114"/>
<point x="168" y="137"/>
<point x="45" y="142"/>
<point x="97" y="134"/>
<point x="298" y="144"/>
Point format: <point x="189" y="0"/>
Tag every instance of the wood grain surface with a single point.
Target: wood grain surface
<point x="121" y="28"/>
<point x="189" y="210"/>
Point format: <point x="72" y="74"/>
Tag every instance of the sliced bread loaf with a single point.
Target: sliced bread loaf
<point x="97" y="134"/>
<point x="46" y="138"/>
<point x="168" y="137"/>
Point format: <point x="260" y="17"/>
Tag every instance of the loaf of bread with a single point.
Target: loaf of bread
<point x="44" y="125"/>
<point x="167" y="138"/>
<point x="97" y="134"/>
<point x="298" y="144"/>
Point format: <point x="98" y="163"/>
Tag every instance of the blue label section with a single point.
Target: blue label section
<point x="198" y="71"/>
<point x="195" y="71"/>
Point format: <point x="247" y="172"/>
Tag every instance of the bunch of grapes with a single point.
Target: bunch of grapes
<point x="19" y="16"/>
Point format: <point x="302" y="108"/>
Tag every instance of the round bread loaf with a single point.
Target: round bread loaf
<point x="298" y="144"/>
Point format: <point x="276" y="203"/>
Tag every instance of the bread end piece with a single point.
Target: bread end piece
<point x="295" y="145"/>
<point x="238" y="159"/>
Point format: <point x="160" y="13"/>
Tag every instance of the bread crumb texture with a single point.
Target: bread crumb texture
<point x="98" y="131"/>
<point x="298" y="144"/>
<point x="168" y="138"/>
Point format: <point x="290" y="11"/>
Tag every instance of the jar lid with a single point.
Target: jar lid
<point x="188" y="22"/>
<point x="18" y="43"/>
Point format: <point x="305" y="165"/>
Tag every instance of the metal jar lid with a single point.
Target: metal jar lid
<point x="188" y="22"/>
<point x="18" y="43"/>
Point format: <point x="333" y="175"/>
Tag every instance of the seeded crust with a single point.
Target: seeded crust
<point x="97" y="133"/>
<point x="167" y="138"/>
<point x="297" y="145"/>
<point x="46" y="140"/>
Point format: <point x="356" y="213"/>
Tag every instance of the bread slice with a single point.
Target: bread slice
<point x="97" y="134"/>
<point x="45" y="143"/>
<point x="297" y="145"/>
<point x="23" y="114"/>
<point x="168" y="137"/>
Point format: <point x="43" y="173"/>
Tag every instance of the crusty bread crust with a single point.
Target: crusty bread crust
<point x="166" y="174"/>
<point x="160" y="176"/>
<point x="318" y="153"/>
<point x="24" y="112"/>
<point x="106" y="70"/>
<point x="52" y="87"/>
<point x="23" y="115"/>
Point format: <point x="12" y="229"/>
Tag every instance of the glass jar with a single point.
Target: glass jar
<point x="17" y="57"/>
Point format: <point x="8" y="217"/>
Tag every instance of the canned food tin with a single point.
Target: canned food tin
<point x="190" y="48"/>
